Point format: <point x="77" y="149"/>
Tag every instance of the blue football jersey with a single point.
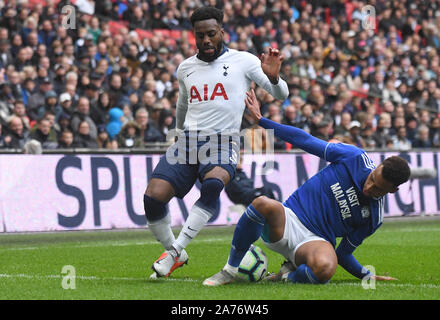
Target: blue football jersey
<point x="331" y="203"/>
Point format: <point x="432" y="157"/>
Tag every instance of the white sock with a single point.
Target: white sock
<point x="232" y="270"/>
<point x="161" y="229"/>
<point x="197" y="219"/>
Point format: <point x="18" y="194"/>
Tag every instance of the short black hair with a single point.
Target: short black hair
<point x="396" y="170"/>
<point x="206" y="13"/>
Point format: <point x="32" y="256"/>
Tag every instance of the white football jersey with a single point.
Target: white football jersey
<point x="212" y="94"/>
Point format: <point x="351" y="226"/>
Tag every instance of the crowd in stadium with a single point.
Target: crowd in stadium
<point x="110" y="80"/>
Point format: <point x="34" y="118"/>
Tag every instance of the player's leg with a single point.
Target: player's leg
<point x="168" y="180"/>
<point x="316" y="261"/>
<point x="158" y="193"/>
<point x="212" y="184"/>
<point x="262" y="213"/>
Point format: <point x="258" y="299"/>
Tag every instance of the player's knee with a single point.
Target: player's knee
<point x="154" y="209"/>
<point x="209" y="194"/>
<point x="324" y="268"/>
<point x="263" y="205"/>
<point x="160" y="190"/>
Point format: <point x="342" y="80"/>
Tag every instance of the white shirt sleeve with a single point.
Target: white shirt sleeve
<point x="182" y="103"/>
<point x="279" y="91"/>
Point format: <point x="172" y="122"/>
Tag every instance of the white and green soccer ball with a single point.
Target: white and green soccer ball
<point x="253" y="267"/>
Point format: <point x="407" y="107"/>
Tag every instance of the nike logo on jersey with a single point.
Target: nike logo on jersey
<point x="189" y="228"/>
<point x="189" y="74"/>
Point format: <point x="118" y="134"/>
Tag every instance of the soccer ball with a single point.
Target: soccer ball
<point x="254" y="265"/>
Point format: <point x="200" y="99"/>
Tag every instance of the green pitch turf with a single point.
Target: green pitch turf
<point x="116" y="265"/>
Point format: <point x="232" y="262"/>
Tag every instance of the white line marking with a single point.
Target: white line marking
<point x="96" y="278"/>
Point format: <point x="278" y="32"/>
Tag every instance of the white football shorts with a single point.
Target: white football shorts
<point x="295" y="235"/>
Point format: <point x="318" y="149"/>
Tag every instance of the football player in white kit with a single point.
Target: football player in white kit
<point x="210" y="106"/>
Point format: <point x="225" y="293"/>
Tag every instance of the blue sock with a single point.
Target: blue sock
<point x="248" y="230"/>
<point x="303" y="274"/>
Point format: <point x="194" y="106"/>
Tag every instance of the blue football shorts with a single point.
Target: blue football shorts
<point x="193" y="155"/>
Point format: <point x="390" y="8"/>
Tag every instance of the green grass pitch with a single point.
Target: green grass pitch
<point x="116" y="265"/>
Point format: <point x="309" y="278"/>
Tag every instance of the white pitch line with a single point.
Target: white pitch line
<point x="57" y="276"/>
<point x="96" y="278"/>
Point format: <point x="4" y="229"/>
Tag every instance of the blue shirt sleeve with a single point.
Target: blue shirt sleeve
<point x="348" y="261"/>
<point x="331" y="152"/>
<point x="297" y="137"/>
<point x="347" y="246"/>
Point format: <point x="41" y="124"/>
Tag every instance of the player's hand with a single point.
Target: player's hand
<point x="271" y="64"/>
<point x="383" y="278"/>
<point x="253" y="105"/>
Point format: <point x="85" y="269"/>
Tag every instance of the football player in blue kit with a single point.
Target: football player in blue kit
<point x="345" y="199"/>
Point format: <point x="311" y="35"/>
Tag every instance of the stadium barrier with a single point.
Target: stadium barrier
<point x="105" y="191"/>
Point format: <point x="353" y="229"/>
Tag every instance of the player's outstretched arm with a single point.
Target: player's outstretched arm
<point x="293" y="135"/>
<point x="271" y="64"/>
<point x="346" y="260"/>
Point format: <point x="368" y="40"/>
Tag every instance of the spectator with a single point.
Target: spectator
<point x="130" y="136"/>
<point x="17" y="135"/>
<point x="83" y="138"/>
<point x="166" y="122"/>
<point x="114" y="125"/>
<point x="99" y="112"/>
<point x="6" y="57"/>
<point x="400" y="141"/>
<point x="355" y="134"/>
<point x="422" y="139"/>
<point x="382" y="134"/>
<point x="51" y="104"/>
<point x="66" y="104"/>
<point x="20" y="111"/>
<point x="42" y="133"/>
<point x="323" y="129"/>
<point x="116" y="92"/>
<point x="103" y="139"/>
<point x="344" y="125"/>
<point x="148" y="130"/>
<point x="290" y="116"/>
<point x="38" y="99"/>
<point x="83" y="114"/>
<point x="411" y="127"/>
<point x="66" y="140"/>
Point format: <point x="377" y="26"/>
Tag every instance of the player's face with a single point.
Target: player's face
<point x="376" y="186"/>
<point x="209" y="39"/>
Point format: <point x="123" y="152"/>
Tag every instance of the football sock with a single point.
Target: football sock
<point x="303" y="274"/>
<point x="248" y="230"/>
<point x="197" y="219"/>
<point x="161" y="229"/>
<point x="209" y="194"/>
<point x="200" y="213"/>
<point x="159" y="221"/>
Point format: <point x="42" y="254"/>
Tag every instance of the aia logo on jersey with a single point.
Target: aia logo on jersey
<point x="218" y="91"/>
